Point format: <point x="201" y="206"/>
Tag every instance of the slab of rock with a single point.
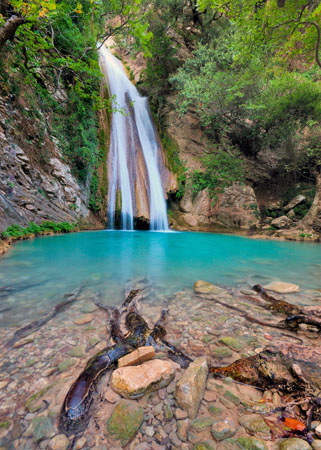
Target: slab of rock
<point x="125" y="421"/>
<point x="281" y="287"/>
<point x="294" y="202"/>
<point x="191" y="386"/>
<point x="281" y="222"/>
<point x="138" y="356"/>
<point x="135" y="381"/>
<point x="204" y="287"/>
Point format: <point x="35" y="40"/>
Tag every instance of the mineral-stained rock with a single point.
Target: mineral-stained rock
<point x="281" y="287"/>
<point x="138" y="356"/>
<point x="294" y="444"/>
<point x="135" y="381"/>
<point x="254" y="424"/>
<point x="191" y="386"/>
<point x="204" y="287"/>
<point x="281" y="222"/>
<point x="125" y="421"/>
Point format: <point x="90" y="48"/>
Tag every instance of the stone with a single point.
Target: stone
<point x="281" y="222"/>
<point x="78" y="352"/>
<point x="204" y="287"/>
<point x="65" y="365"/>
<point x="281" y="287"/>
<point x="294" y="444"/>
<point x="84" y="319"/>
<point x="201" y="423"/>
<point x="251" y="443"/>
<point x="255" y="424"/>
<point x="88" y="308"/>
<point x="205" y="445"/>
<point x="59" y="442"/>
<point x="138" y="356"/>
<point x="210" y="396"/>
<point x="318" y="430"/>
<point x="180" y="414"/>
<point x="191" y="386"/>
<point x="214" y="410"/>
<point x="125" y="421"/>
<point x="80" y="443"/>
<point x="316" y="444"/>
<point x="174" y="439"/>
<point x="222" y="352"/>
<point x="42" y="428"/>
<point x="3" y="384"/>
<point x="231" y="342"/>
<point x="294" y="202"/>
<point x="223" y="428"/>
<point x="149" y="431"/>
<point x="182" y="429"/>
<point x="232" y="397"/>
<point x="111" y="396"/>
<point x="168" y="413"/>
<point x="135" y="381"/>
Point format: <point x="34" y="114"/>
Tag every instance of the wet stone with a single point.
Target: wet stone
<point x="42" y="428"/>
<point x="231" y="342"/>
<point x="294" y="444"/>
<point x="206" y="445"/>
<point x="65" y="365"/>
<point x="214" y="410"/>
<point x="232" y="397"/>
<point x="82" y="320"/>
<point x="78" y="352"/>
<point x="59" y="442"/>
<point x="223" y="429"/>
<point x="222" y="352"/>
<point x="125" y="421"/>
<point x="88" y="308"/>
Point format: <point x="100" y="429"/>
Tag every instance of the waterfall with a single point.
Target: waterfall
<point x="134" y="152"/>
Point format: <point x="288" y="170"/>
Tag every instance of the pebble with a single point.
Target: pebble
<point x="149" y="431"/>
<point x="180" y="414"/>
<point x="59" y="442"/>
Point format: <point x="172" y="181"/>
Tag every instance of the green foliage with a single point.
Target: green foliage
<point x="175" y="164"/>
<point x="221" y="170"/>
<point x="16" y="231"/>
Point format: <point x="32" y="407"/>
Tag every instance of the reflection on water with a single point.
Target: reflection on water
<point x="40" y="271"/>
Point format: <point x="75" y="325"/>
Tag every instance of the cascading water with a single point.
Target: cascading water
<point x="133" y="153"/>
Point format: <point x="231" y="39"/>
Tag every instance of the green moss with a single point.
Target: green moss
<point x="4" y="425"/>
<point x="31" y="404"/>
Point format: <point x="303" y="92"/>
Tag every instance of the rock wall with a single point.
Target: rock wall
<point x="35" y="184"/>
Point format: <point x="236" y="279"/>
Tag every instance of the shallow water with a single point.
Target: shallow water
<point x="44" y="269"/>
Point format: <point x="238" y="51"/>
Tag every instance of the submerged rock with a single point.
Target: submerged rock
<point x="204" y="287"/>
<point x="191" y="386"/>
<point x="135" y="381"/>
<point x="125" y="421"/>
<point x="282" y="287"/>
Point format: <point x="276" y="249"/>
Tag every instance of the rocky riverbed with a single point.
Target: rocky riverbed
<point x="37" y="372"/>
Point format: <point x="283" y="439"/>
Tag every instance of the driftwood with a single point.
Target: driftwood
<point x="36" y="324"/>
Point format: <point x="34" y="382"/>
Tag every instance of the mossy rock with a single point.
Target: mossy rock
<point x="251" y="443"/>
<point x="231" y="342"/>
<point x="206" y="445"/>
<point x="215" y="410"/>
<point x="42" y="428"/>
<point x="222" y="352"/>
<point x="4" y="425"/>
<point x="125" y="421"/>
<point x="66" y="364"/>
<point x="78" y="352"/>
<point x="31" y="403"/>
<point x="201" y="423"/>
<point x="232" y="398"/>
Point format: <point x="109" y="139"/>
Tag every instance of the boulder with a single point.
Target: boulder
<point x="138" y="356"/>
<point x="191" y="386"/>
<point x="281" y="222"/>
<point x="294" y="202"/>
<point x="281" y="287"/>
<point x="125" y="421"/>
<point x="135" y="381"/>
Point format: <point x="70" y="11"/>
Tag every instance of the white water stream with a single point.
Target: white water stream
<point x="133" y="139"/>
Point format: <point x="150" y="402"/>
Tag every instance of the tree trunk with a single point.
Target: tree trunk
<point x="9" y="28"/>
<point x="313" y="218"/>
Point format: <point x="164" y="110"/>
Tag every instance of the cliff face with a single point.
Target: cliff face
<point x="35" y="183"/>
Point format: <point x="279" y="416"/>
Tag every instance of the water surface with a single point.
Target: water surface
<point x="46" y="268"/>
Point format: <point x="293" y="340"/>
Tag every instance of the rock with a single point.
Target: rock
<point x="125" y="421"/>
<point x="294" y="202"/>
<point x="204" y="287"/>
<point x="80" y="443"/>
<point x="316" y="444"/>
<point x="59" y="442"/>
<point x="210" y="396"/>
<point x="191" y="386"/>
<point x="84" y="319"/>
<point x="149" y="431"/>
<point x="168" y="413"/>
<point x="182" y="429"/>
<point x="294" y="444"/>
<point x="222" y="352"/>
<point x="42" y="428"/>
<point x="223" y="428"/>
<point x="174" y="439"/>
<point x="180" y="414"/>
<point x="232" y="397"/>
<point x="138" y="356"/>
<point x="254" y="424"/>
<point x="111" y="396"/>
<point x="281" y="287"/>
<point x="231" y="342"/>
<point x="3" y="384"/>
<point x="88" y="308"/>
<point x="214" y="410"/>
<point x="65" y="365"/>
<point x="135" y="381"/>
<point x="281" y="222"/>
<point x="78" y="352"/>
<point x="201" y="423"/>
<point x="206" y="445"/>
<point x="251" y="443"/>
<point x="318" y="430"/>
